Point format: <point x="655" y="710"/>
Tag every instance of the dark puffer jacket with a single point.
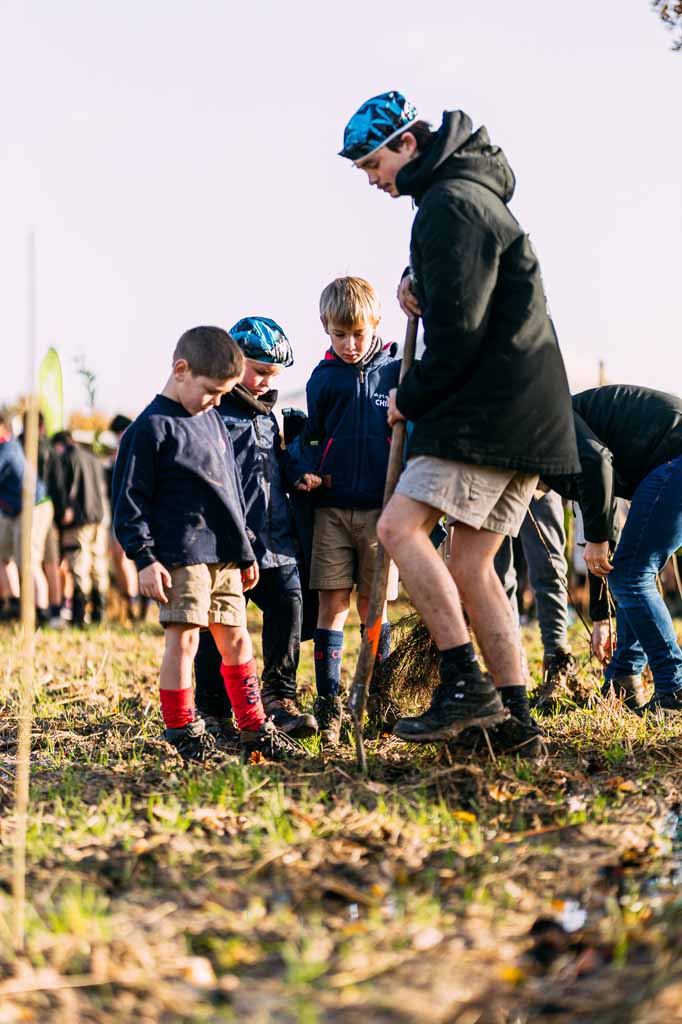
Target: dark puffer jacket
<point x="348" y="429"/>
<point x="267" y="471"/>
<point x="491" y="387"/>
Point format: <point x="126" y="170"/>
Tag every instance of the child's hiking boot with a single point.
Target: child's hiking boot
<point x="222" y="729"/>
<point x="329" y="715"/>
<point x="559" y="678"/>
<point x="267" y="743"/>
<point x="631" y="690"/>
<point x="192" y="741"/>
<point x="667" y="702"/>
<point x="288" y="716"/>
<point x="467" y="701"/>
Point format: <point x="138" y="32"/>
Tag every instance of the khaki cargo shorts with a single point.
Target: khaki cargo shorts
<point x="6" y="537"/>
<point x="41" y="524"/>
<point x="345" y="548"/>
<point x="485" y="497"/>
<point x="205" y="594"/>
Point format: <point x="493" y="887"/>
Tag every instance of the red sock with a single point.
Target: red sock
<point x="177" y="707"/>
<point x="241" y="683"/>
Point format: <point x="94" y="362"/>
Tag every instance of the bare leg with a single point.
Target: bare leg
<point x="403" y="530"/>
<point x="233" y="643"/>
<point x="9" y="579"/>
<point x="54" y="582"/>
<point x="334" y="608"/>
<point x="362" y="603"/>
<point x="490" y="613"/>
<point x="182" y="641"/>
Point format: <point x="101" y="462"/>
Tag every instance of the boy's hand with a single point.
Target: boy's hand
<point x="250" y="576"/>
<point x="308" y="482"/>
<point x="597" y="558"/>
<point x="153" y="578"/>
<point x="407" y="299"/>
<point x="394" y="414"/>
<point x="68" y="517"/>
<point x="601" y="643"/>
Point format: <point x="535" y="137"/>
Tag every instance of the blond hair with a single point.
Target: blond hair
<point x="350" y="301"/>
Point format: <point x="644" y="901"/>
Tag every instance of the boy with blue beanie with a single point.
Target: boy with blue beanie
<point x="347" y="398"/>
<point x="267" y="472"/>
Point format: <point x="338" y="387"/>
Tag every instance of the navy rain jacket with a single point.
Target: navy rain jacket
<point x="176" y="490"/>
<point x="12" y="464"/>
<point x="348" y="429"/>
<point x="267" y="472"/>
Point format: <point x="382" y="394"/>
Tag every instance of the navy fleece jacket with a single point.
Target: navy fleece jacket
<point x="348" y="429"/>
<point x="176" y="491"/>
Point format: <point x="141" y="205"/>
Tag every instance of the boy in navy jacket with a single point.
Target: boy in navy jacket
<point x="267" y="472"/>
<point x="347" y="398"/>
<point x="179" y="515"/>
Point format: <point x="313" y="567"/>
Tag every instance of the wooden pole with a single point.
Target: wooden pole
<point x="23" y="762"/>
<point x="357" y="701"/>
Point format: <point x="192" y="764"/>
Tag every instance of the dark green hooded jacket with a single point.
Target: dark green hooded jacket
<point x="491" y="386"/>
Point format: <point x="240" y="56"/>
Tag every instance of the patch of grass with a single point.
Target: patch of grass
<point x="304" y="892"/>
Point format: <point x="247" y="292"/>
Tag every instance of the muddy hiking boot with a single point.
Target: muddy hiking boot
<point x="192" y="741"/>
<point x="329" y="715"/>
<point x="519" y="735"/>
<point x="467" y="701"/>
<point x="631" y="690"/>
<point x="559" y="680"/>
<point x="268" y="743"/>
<point x="288" y="716"/>
<point x="666" y="702"/>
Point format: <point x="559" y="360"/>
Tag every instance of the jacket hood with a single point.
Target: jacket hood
<point x="262" y="406"/>
<point x="458" y="152"/>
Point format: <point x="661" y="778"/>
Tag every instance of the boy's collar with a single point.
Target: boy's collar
<point x="263" y="405"/>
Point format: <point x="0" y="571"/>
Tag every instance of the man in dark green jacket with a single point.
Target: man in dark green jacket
<point x="489" y="402"/>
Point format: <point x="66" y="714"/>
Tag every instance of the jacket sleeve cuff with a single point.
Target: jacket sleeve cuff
<point x="143" y="559"/>
<point x="407" y="398"/>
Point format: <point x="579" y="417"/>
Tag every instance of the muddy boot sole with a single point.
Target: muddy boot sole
<point x="448" y="732"/>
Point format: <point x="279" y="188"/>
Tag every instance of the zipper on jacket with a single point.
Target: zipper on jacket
<point x="361" y="443"/>
<point x="268" y="494"/>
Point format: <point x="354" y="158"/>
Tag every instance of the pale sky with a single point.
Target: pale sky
<point x="177" y="161"/>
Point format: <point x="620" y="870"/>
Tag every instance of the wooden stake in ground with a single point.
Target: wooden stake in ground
<point x="357" y="701"/>
<point x="28" y="498"/>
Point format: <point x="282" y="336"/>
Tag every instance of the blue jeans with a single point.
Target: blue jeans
<point x="652" y="532"/>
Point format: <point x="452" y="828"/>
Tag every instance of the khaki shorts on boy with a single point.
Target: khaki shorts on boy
<point x="345" y="548"/>
<point x="484" y="497"/>
<point x="205" y="594"/>
<point x="6" y="538"/>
